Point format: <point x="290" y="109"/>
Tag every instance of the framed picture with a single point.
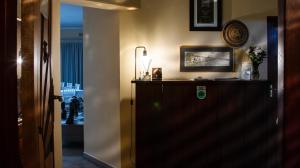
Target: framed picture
<point x="206" y="59"/>
<point x="156" y="74"/>
<point x="205" y="15"/>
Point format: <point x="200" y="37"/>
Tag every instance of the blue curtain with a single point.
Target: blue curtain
<point x="72" y="61"/>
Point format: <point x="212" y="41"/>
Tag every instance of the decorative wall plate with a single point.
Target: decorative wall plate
<point x="235" y="33"/>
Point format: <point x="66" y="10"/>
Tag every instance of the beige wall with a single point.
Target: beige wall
<point x="121" y="2"/>
<point x="102" y="86"/>
<point x="56" y="80"/>
<point x="163" y="26"/>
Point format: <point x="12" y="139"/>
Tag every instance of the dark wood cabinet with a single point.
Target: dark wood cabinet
<point x="150" y="125"/>
<point x="233" y="127"/>
<point x="190" y="142"/>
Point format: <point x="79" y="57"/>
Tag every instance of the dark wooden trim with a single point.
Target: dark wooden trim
<point x="273" y="73"/>
<point x="272" y="25"/>
<point x="239" y="82"/>
<point x="8" y="85"/>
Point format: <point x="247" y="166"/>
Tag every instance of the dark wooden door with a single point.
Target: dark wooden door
<point x="8" y="72"/>
<point x="247" y="126"/>
<point x="261" y="129"/>
<point x="191" y="136"/>
<point x="231" y="125"/>
<point x="37" y="97"/>
<point x="45" y="85"/>
<point x="291" y="25"/>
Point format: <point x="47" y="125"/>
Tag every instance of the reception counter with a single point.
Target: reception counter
<point x="206" y="123"/>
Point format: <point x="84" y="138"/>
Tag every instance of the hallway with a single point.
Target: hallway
<point x="72" y="158"/>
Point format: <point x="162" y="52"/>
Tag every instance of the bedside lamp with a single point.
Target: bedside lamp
<point x="146" y="61"/>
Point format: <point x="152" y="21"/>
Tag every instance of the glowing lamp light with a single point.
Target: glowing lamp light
<point x="145" y="61"/>
<point x="131" y="8"/>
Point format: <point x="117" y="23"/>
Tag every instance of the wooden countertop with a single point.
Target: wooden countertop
<point x="186" y="81"/>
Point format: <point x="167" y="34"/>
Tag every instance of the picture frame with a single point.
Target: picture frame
<point x="206" y="15"/>
<point x="206" y="59"/>
<point x="156" y="73"/>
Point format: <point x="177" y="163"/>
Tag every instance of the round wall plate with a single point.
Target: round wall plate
<point x="235" y="33"/>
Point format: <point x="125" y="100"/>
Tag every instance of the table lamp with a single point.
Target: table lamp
<point x="146" y="61"/>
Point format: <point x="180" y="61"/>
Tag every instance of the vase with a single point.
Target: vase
<point x="255" y="71"/>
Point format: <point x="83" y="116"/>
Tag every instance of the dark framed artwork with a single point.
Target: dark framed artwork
<point x="205" y="15"/>
<point x="206" y="59"/>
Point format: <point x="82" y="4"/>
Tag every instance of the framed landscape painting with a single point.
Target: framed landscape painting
<point x="205" y="15"/>
<point x="206" y="59"/>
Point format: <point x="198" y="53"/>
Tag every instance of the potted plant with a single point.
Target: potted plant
<point x="256" y="55"/>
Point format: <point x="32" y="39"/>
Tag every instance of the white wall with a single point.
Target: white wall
<point x="163" y="26"/>
<point x="102" y="86"/>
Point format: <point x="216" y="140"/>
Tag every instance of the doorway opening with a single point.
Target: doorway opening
<point x="96" y="128"/>
<point x="72" y="89"/>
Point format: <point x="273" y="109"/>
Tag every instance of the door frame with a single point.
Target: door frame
<point x="280" y="87"/>
<point x="56" y="81"/>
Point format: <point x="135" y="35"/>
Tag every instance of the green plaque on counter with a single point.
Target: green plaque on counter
<point x="201" y="92"/>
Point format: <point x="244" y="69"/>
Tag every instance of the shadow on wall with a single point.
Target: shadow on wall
<point x="257" y="37"/>
<point x="127" y="132"/>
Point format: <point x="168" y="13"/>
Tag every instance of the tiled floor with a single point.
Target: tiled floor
<point x="72" y="158"/>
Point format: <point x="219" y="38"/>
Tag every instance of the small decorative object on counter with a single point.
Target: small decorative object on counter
<point x="256" y="55"/>
<point x="146" y="62"/>
<point x="147" y="77"/>
<point x="246" y="71"/>
<point x="156" y="74"/>
<point x="201" y="92"/>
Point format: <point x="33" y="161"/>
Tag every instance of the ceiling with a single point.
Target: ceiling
<point x="71" y="16"/>
<point x="107" y="4"/>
